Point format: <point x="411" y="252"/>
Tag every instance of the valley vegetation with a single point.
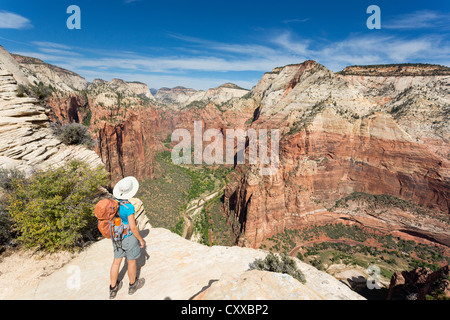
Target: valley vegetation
<point x="177" y="189"/>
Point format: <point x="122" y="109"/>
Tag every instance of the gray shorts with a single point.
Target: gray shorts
<point x="129" y="248"/>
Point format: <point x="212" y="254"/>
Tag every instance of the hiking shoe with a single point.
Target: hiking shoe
<point x="113" y="291"/>
<point x="139" y="283"/>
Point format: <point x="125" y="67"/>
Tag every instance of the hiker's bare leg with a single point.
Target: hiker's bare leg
<point x="132" y="271"/>
<point x="114" y="274"/>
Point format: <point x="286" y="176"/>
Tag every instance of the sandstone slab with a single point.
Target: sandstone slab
<point x="175" y="268"/>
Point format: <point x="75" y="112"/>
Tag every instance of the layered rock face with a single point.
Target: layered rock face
<point x="68" y="107"/>
<point x="180" y="108"/>
<point x="415" y="95"/>
<point x="123" y="120"/>
<point x="180" y="97"/>
<point x="217" y="108"/>
<point x="26" y="140"/>
<point x="128" y="148"/>
<point x="338" y="139"/>
<point x="36" y="70"/>
<point x="120" y="116"/>
<point x="127" y="121"/>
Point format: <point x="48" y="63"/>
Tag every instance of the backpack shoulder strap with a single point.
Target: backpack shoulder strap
<point x="124" y="203"/>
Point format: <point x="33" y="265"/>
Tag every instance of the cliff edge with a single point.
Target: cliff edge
<point x="173" y="268"/>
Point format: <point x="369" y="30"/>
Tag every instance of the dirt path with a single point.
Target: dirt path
<point x="194" y="208"/>
<point x="343" y="241"/>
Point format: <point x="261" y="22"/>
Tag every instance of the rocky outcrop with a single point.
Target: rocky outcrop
<point x="417" y="98"/>
<point x="27" y="141"/>
<point x="192" y="269"/>
<point x="397" y="70"/>
<point x="180" y="97"/>
<point x="336" y="140"/>
<point x="35" y="70"/>
<point x="128" y="148"/>
<point x="420" y="284"/>
<point x="296" y="93"/>
<point x="123" y="120"/>
<point x="263" y="285"/>
<point x="117" y="91"/>
<point x="68" y="107"/>
<point x="119" y="114"/>
<point x="9" y="63"/>
<point x="176" y="95"/>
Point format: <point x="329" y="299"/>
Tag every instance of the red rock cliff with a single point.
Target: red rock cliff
<point x="329" y="151"/>
<point x="128" y="148"/>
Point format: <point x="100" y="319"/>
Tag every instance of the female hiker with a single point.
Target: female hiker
<point x="131" y="242"/>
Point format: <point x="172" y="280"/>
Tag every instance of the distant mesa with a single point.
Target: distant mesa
<point x="406" y="69"/>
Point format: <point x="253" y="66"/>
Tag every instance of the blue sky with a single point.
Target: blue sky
<point x="202" y="44"/>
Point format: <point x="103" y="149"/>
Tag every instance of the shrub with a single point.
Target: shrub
<point x="75" y="134"/>
<point x="273" y="263"/>
<point x="6" y="235"/>
<point x="54" y="209"/>
<point x="7" y="176"/>
<point x="22" y="91"/>
<point x="38" y="90"/>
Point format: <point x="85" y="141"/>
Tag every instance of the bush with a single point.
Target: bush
<point x="273" y="263"/>
<point x="22" y="91"/>
<point x="54" y="209"/>
<point x="37" y="90"/>
<point x="6" y="235"/>
<point x="7" y="176"/>
<point x="75" y="134"/>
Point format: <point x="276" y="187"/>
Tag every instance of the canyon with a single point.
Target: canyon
<point x="378" y="130"/>
<point x="376" y="133"/>
<point x="372" y="129"/>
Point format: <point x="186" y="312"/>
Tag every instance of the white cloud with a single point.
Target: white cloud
<point x="59" y="52"/>
<point x="298" y="47"/>
<point x="371" y="49"/>
<point x="47" y="44"/>
<point x="295" y="20"/>
<point x="214" y="62"/>
<point x="418" y="20"/>
<point x="9" y="20"/>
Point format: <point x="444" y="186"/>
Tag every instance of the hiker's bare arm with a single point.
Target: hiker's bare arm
<point x="135" y="230"/>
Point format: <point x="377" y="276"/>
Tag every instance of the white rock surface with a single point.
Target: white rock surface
<point x="26" y="140"/>
<point x="110" y="93"/>
<point x="257" y="284"/>
<point x="175" y="268"/>
<point x="181" y="97"/>
<point x="36" y="70"/>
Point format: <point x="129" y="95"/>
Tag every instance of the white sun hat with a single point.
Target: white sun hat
<point x="126" y="188"/>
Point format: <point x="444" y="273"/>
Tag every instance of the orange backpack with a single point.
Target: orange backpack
<point x="105" y="211"/>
